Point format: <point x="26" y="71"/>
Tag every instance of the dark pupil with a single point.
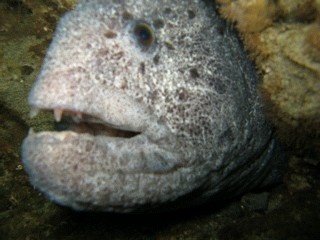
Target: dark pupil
<point x="144" y="34"/>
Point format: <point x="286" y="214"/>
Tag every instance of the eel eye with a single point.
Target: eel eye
<point x="144" y="34"/>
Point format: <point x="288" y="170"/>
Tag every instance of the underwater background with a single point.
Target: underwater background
<point x="282" y="37"/>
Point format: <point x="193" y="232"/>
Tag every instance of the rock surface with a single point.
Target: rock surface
<point x="283" y="39"/>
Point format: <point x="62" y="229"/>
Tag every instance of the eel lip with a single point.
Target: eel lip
<point x="80" y="122"/>
<point x="112" y="111"/>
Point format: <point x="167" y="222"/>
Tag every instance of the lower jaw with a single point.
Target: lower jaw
<point x="67" y="167"/>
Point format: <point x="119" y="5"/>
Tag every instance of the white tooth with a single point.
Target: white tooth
<point x="34" y="112"/>
<point x="30" y="132"/>
<point x="57" y="112"/>
<point x="77" y="117"/>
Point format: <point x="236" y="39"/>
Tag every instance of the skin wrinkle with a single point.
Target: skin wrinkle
<point x="174" y="75"/>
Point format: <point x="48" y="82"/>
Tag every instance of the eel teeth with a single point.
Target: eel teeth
<point x="31" y="131"/>
<point x="57" y="112"/>
<point x="34" y="112"/>
<point x="77" y="117"/>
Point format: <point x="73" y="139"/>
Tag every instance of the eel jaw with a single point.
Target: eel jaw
<point x="103" y="172"/>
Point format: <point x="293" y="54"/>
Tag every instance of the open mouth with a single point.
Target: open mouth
<point x="79" y="122"/>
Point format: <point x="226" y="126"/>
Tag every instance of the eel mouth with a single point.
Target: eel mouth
<point x="84" y="123"/>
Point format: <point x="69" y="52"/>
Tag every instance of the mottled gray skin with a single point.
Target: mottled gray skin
<point x="191" y="95"/>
